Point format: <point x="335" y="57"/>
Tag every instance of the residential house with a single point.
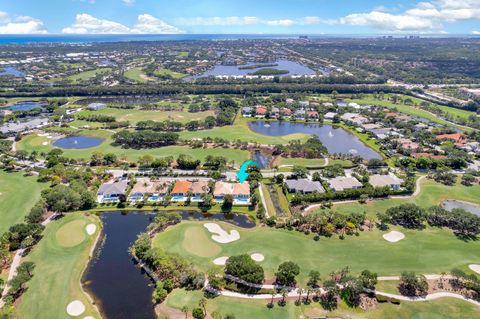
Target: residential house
<point x="112" y="192"/>
<point x="341" y="183"/>
<point x="274" y="112"/>
<point x="303" y="186"/>
<point x="247" y="111"/>
<point x="389" y="180"/>
<point x="198" y="189"/>
<point x="313" y="115"/>
<point x="153" y="191"/>
<point x="261" y="112"/>
<point x="458" y="138"/>
<point x="304" y="103"/>
<point x="329" y="116"/>
<point x="180" y="190"/>
<point x="239" y="191"/>
<point x="407" y="144"/>
<point x="289" y="101"/>
<point x="300" y="114"/>
<point x="286" y="112"/>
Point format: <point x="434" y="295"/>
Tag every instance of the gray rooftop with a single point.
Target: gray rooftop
<point x="304" y="185"/>
<point x="113" y="188"/>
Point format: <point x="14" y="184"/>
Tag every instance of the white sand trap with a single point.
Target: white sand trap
<point x="257" y="257"/>
<point x="222" y="236"/>
<point x="91" y="229"/>
<point x="475" y="268"/>
<point x="88" y="317"/>
<point x="75" y="308"/>
<point x="220" y="261"/>
<point x="394" y="236"/>
<point x="45" y="143"/>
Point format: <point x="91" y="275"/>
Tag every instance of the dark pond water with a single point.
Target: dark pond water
<point x="294" y="68"/>
<point x="10" y="70"/>
<point x="261" y="159"/>
<point x="120" y="288"/>
<point x="25" y="106"/>
<point x="452" y="204"/>
<point x="336" y="139"/>
<point x="77" y="142"/>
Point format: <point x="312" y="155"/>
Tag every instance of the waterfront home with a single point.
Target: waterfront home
<point x="458" y="138"/>
<point x="313" y="115"/>
<point x="407" y="144"/>
<point x="329" y="116"/>
<point x="260" y="112"/>
<point x="198" y="189"/>
<point x="341" y="183"/>
<point x="180" y="191"/>
<point x="274" y="112"/>
<point x="304" y="186"/>
<point x="300" y="114"/>
<point x="304" y="103"/>
<point x="154" y="190"/>
<point x="286" y="112"/>
<point x="239" y="191"/>
<point x="247" y="111"/>
<point x="112" y="192"/>
<point x="389" y="180"/>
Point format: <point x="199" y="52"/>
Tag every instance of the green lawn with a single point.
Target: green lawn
<point x="136" y="115"/>
<point x="137" y="75"/>
<point x="445" y="308"/>
<point x="59" y="265"/>
<point x="431" y="194"/>
<point x="35" y="142"/>
<point x="428" y="251"/>
<point x="18" y="194"/>
<point x="83" y="76"/>
<point x="307" y="162"/>
<point x="174" y="75"/>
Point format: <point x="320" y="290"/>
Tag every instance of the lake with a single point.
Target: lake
<point x="25" y="106"/>
<point x="294" y="68"/>
<point x="469" y="207"/>
<point x="336" y="139"/>
<point x="119" y="287"/>
<point x="78" y="142"/>
<point x="10" y="70"/>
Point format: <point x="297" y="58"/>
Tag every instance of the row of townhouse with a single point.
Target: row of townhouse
<point x="179" y="190"/>
<point x="260" y="112"/>
<point x="342" y="183"/>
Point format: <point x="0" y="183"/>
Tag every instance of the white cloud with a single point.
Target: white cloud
<point x="146" y="24"/>
<point x="281" y="22"/>
<point x="128" y="2"/>
<point x="87" y="24"/>
<point x="149" y="24"/>
<point x="388" y="21"/>
<point x="476" y="32"/>
<point x="251" y="20"/>
<point x="21" y="25"/>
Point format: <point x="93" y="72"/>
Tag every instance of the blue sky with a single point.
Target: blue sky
<point x="240" y="16"/>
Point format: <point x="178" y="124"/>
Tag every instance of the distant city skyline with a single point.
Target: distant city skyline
<point x="240" y="17"/>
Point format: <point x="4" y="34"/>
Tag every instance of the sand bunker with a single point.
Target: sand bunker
<point x="220" y="261"/>
<point x="45" y="143"/>
<point x="91" y="229"/>
<point x="394" y="236"/>
<point x="75" y="308"/>
<point x="257" y="257"/>
<point x="88" y="317"/>
<point x="222" y="236"/>
<point x="475" y="268"/>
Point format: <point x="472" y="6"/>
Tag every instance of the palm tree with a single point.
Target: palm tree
<point x="300" y="291"/>
<point x="185" y="311"/>
<point x="275" y="170"/>
<point x="273" y="296"/>
<point x="284" y="293"/>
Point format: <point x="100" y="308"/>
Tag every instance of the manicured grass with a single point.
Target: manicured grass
<point x="18" y="194"/>
<point x="246" y="309"/>
<point x="136" y="74"/>
<point x="431" y="194"/>
<point x="71" y="234"/>
<point x="56" y="280"/>
<point x="174" y="75"/>
<point x="35" y="142"/>
<point x="268" y="201"/>
<point x="136" y="115"/>
<point x="307" y="162"/>
<point x="390" y="286"/>
<point x="197" y="235"/>
<point x="83" y="76"/>
<point x="182" y="54"/>
<point x="429" y="251"/>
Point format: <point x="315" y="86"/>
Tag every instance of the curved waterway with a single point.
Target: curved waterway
<point x="120" y="288"/>
<point x="336" y="139"/>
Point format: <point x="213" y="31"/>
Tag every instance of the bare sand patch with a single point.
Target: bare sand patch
<point x="220" y="235"/>
<point x="475" y="268"/>
<point x="75" y="308"/>
<point x="91" y="229"/>
<point x="88" y="317"/>
<point x="257" y="257"/>
<point x="220" y="261"/>
<point x="393" y="236"/>
<point x="45" y="143"/>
